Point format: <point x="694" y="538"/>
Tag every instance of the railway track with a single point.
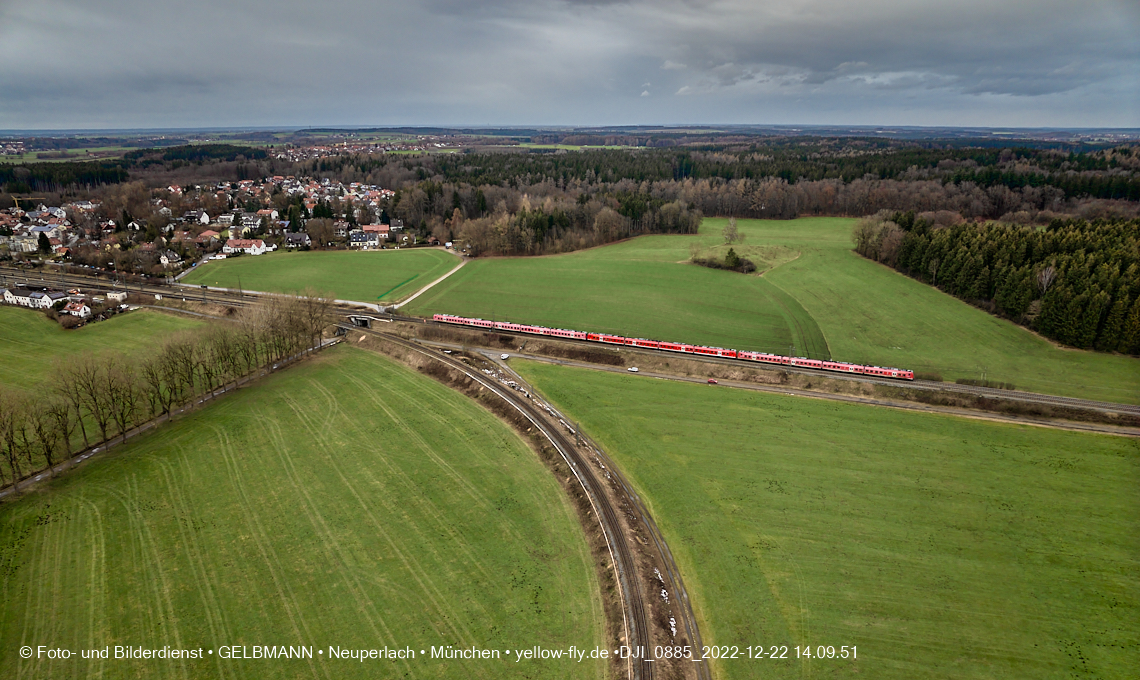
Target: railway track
<point x="41" y="277"/>
<point x="987" y="392"/>
<point x="688" y="619"/>
<point x="46" y="278"/>
<point x="636" y="613"/>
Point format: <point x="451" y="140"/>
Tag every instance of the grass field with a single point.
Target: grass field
<point x="640" y="288"/>
<point x="938" y="547"/>
<point x="372" y="276"/>
<point x="33" y="343"/>
<point x="344" y="502"/>
<point x="820" y="299"/>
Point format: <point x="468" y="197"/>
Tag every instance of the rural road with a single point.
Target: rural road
<point x="421" y="291"/>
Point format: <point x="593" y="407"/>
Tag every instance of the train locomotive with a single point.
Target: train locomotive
<point x="604" y="338"/>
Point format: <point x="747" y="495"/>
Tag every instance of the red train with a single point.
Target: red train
<point x="760" y="357"/>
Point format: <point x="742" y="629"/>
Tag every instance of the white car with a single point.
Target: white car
<point x="504" y="356"/>
<point x="632" y="369"/>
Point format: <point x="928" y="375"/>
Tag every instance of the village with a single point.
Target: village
<point x="185" y="225"/>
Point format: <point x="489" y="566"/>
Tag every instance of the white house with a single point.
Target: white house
<point x="31" y="298"/>
<point x="198" y="216"/>
<point x="244" y="245"/>
<point x="77" y="309"/>
<point x="363" y="239"/>
<point x="381" y="230"/>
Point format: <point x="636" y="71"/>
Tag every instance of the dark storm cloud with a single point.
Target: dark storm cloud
<point x="132" y="63"/>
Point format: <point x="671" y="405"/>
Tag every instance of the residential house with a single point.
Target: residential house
<point x="52" y="231"/>
<point x="247" y="246"/>
<point x="24" y="244"/>
<point x="198" y="216"/>
<point x="77" y="309"/>
<point x="300" y="240"/>
<point x="206" y="238"/>
<point x="381" y="230"/>
<point x="267" y="212"/>
<point x="169" y="258"/>
<point x="32" y="298"/>
<point x="363" y="239"/>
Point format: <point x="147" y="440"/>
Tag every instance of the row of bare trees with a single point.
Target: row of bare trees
<point x="94" y="399"/>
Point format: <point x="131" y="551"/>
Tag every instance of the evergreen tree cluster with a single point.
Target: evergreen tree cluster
<point x="1075" y="281"/>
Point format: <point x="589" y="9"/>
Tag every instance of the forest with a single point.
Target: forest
<point x="1074" y="281"/>
<point x="526" y="201"/>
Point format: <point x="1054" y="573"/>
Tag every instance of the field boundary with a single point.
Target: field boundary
<point x="152" y="424"/>
<point x="428" y="287"/>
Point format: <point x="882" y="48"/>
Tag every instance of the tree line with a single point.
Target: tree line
<point x="102" y="397"/>
<point x="1075" y="281"/>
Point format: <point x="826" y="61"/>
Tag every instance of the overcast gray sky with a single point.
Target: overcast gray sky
<point x="158" y="63"/>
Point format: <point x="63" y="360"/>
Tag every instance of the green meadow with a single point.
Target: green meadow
<point x="33" y="343"/>
<point x="364" y="276"/>
<point x="642" y="287"/>
<point x="345" y="502"/>
<point x="815" y="297"/>
<point x="936" y="547"/>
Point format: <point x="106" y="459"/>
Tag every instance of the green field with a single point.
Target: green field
<point x="938" y="547"/>
<point x="33" y="343"/>
<point x="371" y="276"/>
<point x="640" y="287"/>
<point x="343" y="502"/>
<point x="826" y="301"/>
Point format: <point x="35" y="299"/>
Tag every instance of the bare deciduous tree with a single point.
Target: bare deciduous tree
<point x="89" y="379"/>
<point x="66" y="385"/>
<point x="1045" y="278"/>
<point x="731" y="233"/>
<point x="12" y="421"/>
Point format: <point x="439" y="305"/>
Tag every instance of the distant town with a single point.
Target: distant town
<point x="187" y="224"/>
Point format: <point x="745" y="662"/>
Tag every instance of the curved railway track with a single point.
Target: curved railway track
<point x="636" y="612"/>
<point x="688" y="620"/>
<point x="39" y="277"/>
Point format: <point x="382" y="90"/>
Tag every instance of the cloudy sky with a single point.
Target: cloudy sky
<point x="158" y="63"/>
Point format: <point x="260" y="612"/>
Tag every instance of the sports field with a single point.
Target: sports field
<point x="364" y="276"/>
<point x="345" y="502"/>
<point x="935" y="546"/>
<point x="824" y="301"/>
<point x="33" y="343"/>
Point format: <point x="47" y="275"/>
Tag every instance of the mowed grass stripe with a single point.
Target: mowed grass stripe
<point x="383" y="275"/>
<point x="313" y="519"/>
<point x="939" y="546"/>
